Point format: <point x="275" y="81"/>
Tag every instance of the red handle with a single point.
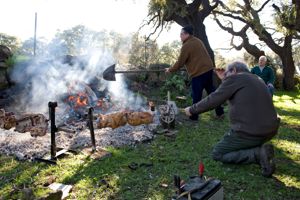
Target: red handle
<point x="201" y="169"/>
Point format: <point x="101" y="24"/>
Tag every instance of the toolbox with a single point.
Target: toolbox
<point x="199" y="189"/>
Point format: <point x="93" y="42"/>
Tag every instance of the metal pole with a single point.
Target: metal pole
<point x="34" y="40"/>
<point x="52" y="106"/>
<point x="91" y="127"/>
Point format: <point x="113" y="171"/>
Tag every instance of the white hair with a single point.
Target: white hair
<point x="263" y="57"/>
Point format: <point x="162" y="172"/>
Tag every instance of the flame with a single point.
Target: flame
<point x="79" y="100"/>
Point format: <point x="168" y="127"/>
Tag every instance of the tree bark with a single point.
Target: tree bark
<point x="286" y="55"/>
<point x="199" y="32"/>
<point x="196" y="12"/>
<point x="297" y="23"/>
<point x="284" y="52"/>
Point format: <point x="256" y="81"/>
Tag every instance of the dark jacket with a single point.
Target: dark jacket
<point x="267" y="74"/>
<point x="251" y="109"/>
<point x="194" y="56"/>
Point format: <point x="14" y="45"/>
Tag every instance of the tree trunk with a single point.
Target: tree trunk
<point x="200" y="32"/>
<point x="297" y="4"/>
<point x="288" y="71"/>
<point x="195" y="17"/>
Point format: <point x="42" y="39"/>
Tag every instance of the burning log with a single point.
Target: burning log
<point x="115" y="120"/>
<point x="36" y="124"/>
<point x="7" y="119"/>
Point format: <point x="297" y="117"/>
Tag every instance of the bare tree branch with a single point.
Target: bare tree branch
<point x="281" y="46"/>
<point x="221" y="3"/>
<point x="252" y="49"/>
<point x="231" y="16"/>
<point x="263" y="5"/>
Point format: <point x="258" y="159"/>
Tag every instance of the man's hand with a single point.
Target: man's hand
<point x="220" y="73"/>
<point x="167" y="71"/>
<point x="187" y="111"/>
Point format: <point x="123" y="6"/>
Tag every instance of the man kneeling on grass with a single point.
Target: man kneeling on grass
<point x="253" y="119"/>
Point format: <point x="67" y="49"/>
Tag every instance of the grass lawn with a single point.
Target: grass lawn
<point x="113" y="179"/>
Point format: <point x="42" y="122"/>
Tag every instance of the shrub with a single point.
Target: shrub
<point x="279" y="80"/>
<point x="175" y="82"/>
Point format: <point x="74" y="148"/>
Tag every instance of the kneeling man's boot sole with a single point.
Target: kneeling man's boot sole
<point x="266" y="160"/>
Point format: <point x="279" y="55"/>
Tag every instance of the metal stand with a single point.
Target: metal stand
<point x="55" y="152"/>
<point x="94" y="153"/>
<point x="91" y="127"/>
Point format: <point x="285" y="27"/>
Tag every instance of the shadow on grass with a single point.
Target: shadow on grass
<point x="113" y="179"/>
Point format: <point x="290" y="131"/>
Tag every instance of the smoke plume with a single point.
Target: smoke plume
<point x="50" y="78"/>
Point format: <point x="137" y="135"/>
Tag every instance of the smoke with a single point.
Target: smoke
<point x="52" y="78"/>
<point x="123" y="95"/>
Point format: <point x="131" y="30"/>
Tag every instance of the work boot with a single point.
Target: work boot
<point x="266" y="161"/>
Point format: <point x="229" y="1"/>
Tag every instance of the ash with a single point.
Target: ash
<point x="25" y="147"/>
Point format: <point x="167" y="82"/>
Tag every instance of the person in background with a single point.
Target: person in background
<point x="265" y="72"/>
<point x="253" y="119"/>
<point x="199" y="66"/>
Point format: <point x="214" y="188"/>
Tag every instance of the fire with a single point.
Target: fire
<point x="79" y="100"/>
<point x="102" y="104"/>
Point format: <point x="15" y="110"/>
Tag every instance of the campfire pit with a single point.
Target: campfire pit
<point x="55" y="151"/>
<point x="70" y="129"/>
<point x="26" y="147"/>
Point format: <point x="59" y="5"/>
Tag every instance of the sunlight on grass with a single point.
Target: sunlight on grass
<point x="288" y="107"/>
<point x="112" y="178"/>
<point x="8" y="165"/>
<point x="157" y="197"/>
<point x="289" y="181"/>
<point x="290" y="119"/>
<point x="291" y="149"/>
<point x="287" y="101"/>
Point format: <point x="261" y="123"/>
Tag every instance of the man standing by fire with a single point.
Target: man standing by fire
<point x="253" y="119"/>
<point x="199" y="66"/>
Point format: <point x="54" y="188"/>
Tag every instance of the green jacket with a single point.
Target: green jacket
<point x="251" y="110"/>
<point x="266" y="74"/>
<point x="194" y="56"/>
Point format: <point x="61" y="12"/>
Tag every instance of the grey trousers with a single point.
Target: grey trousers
<point x="235" y="149"/>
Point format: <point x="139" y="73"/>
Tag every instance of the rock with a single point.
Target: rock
<point x="20" y="156"/>
<point x="65" y="189"/>
<point x="49" y="181"/>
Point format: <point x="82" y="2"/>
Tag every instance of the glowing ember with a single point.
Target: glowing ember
<point x="79" y="100"/>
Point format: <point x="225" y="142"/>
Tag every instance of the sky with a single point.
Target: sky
<point x="123" y="16"/>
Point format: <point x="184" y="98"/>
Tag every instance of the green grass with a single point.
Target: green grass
<point x="113" y="179"/>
